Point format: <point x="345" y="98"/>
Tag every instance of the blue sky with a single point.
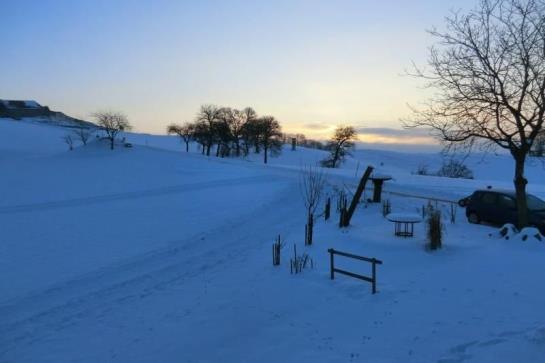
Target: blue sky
<point x="312" y="64"/>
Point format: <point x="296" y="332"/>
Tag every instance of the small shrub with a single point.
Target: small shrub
<point x="435" y="230"/>
<point x="453" y="212"/>
<point x="386" y="207"/>
<point x="300" y="262"/>
<point x="422" y="170"/>
<point x="276" y="248"/>
<point x="455" y="169"/>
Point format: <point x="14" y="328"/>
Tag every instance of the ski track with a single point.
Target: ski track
<point x="28" y="319"/>
<point x="156" y="192"/>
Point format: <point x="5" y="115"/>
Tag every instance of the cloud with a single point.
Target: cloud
<point x="317" y="126"/>
<point x="386" y="135"/>
<point x="391" y="132"/>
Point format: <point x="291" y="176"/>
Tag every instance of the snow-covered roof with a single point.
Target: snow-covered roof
<point x="18" y="104"/>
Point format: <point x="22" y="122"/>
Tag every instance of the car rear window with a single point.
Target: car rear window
<point x="534" y="203"/>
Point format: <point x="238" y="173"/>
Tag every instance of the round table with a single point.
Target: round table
<point x="404" y="223"/>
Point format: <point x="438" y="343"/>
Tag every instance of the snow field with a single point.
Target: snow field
<point x="151" y="254"/>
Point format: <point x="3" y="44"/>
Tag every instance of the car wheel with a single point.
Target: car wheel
<point x="473" y="218"/>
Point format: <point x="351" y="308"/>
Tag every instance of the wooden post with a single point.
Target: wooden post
<point x="361" y="187"/>
<point x="310" y="229"/>
<point x="332" y="264"/>
<point x="377" y="190"/>
<point x="374" y="275"/>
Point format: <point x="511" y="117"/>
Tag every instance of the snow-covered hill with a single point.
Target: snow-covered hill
<point x="150" y="254"/>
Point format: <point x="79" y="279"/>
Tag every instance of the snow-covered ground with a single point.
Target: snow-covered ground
<point x="151" y="254"/>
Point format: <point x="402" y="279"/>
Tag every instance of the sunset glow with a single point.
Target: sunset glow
<point x="311" y="64"/>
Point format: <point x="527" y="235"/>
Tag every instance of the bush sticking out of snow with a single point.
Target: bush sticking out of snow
<point x="300" y="262"/>
<point x="422" y="169"/>
<point x="451" y="168"/>
<point x="435" y="230"/>
<point x="530" y="234"/>
<point x="455" y="169"/>
<point x="508" y="230"/>
<point x="427" y="209"/>
<point x="386" y="207"/>
<point x="276" y="248"/>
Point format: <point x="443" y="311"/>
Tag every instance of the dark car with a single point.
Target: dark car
<point x="500" y="207"/>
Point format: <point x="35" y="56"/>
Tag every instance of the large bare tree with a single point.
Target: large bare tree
<point x="208" y="118"/>
<point x="340" y="145"/>
<point x="112" y="123"/>
<point x="270" y="133"/>
<point x="487" y="71"/>
<point x="185" y="132"/>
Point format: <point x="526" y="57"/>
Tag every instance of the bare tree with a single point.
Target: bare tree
<point x="226" y="120"/>
<point x="250" y="132"/>
<point x="237" y="121"/>
<point x="83" y="134"/>
<point x="112" y="123"/>
<point x="208" y="119"/>
<point x="488" y="73"/>
<point x="270" y="136"/>
<point x="68" y="140"/>
<point x="312" y="182"/>
<point x="185" y="132"/>
<point x="340" y="146"/>
<point x="201" y="135"/>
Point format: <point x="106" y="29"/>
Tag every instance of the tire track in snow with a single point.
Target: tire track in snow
<point x="29" y="319"/>
<point x="156" y="192"/>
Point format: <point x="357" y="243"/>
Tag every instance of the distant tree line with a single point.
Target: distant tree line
<point x="229" y="132"/>
<point x="301" y="140"/>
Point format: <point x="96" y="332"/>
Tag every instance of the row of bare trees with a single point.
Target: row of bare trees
<point x="111" y="123"/>
<point x="232" y="132"/>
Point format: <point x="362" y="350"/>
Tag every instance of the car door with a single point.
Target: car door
<point x="488" y="207"/>
<point x="507" y="210"/>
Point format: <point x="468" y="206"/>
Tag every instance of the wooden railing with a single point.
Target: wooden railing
<point x="374" y="262"/>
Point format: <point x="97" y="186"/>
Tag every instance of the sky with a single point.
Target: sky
<point x="311" y="64"/>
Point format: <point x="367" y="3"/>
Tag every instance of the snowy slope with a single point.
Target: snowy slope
<point x="150" y="254"/>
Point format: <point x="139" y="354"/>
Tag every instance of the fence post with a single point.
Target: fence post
<point x="332" y="267"/>
<point x="374" y="273"/>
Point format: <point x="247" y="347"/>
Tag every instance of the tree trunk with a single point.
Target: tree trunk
<point x="335" y="157"/>
<point x="112" y="143"/>
<point x="208" y="146"/>
<point x="265" y="152"/>
<point x="520" y="189"/>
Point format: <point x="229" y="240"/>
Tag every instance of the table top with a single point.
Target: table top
<point x="380" y="177"/>
<point x="404" y="217"/>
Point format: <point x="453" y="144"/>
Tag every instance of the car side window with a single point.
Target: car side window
<point x="476" y="196"/>
<point x="506" y="202"/>
<point x="489" y="198"/>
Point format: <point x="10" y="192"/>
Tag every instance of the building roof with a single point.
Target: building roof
<point x="20" y="104"/>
